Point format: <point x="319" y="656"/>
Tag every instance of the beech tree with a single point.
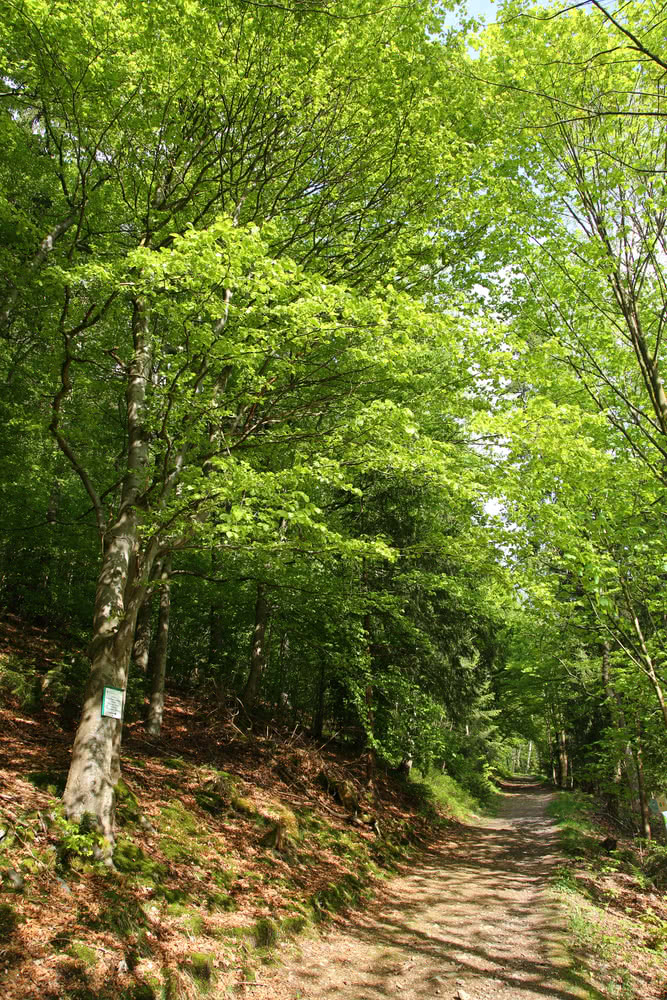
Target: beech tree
<point x="199" y="176"/>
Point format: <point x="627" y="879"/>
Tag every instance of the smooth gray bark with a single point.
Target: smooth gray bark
<point x="159" y="661"/>
<point x="95" y="766"/>
<point x="142" y="637"/>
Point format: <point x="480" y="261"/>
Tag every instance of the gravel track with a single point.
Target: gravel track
<point x="471" y="915"/>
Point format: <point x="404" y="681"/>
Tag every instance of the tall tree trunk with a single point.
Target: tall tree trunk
<point x="629" y="764"/>
<point x="95" y="765"/>
<point x="562" y="758"/>
<point x="159" y="664"/>
<point x="142" y="636"/>
<point x="643" y="798"/>
<point x="647" y="659"/>
<point x="550" y="743"/>
<point x="318" y="715"/>
<point x="371" y="757"/>
<point x="216" y="635"/>
<point x="257" y="649"/>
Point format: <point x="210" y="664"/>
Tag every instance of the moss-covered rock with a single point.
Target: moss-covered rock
<point x="284" y="830"/>
<point x="217" y="793"/>
<point x="247" y="807"/>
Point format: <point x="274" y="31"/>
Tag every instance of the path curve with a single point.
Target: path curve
<point x="472" y="915"/>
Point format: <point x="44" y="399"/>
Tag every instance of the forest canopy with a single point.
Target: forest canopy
<point x="331" y="342"/>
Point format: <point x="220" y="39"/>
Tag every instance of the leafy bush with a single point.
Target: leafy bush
<point x="77" y="841"/>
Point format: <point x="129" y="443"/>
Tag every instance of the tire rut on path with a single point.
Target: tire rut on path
<point x="473" y="914"/>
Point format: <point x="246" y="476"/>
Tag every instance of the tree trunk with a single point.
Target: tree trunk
<point x="562" y="758"/>
<point x="216" y="634"/>
<point x="142" y="636"/>
<point x="629" y="764"/>
<point x="318" y="715"/>
<point x="643" y="799"/>
<point x="95" y="765"/>
<point x="371" y="757"/>
<point x="257" y="649"/>
<point x="649" y="667"/>
<point x="159" y="664"/>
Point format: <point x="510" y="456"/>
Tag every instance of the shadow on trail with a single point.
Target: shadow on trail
<point x="472" y="905"/>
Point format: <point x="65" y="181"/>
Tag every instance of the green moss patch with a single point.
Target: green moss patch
<point x="265" y="933"/>
<point x="120" y="913"/>
<point x="293" y="925"/>
<point x="220" y="901"/>
<point x="9" y="921"/>
<point x="172" y="894"/>
<point x="201" y="967"/>
<point x="218" y="793"/>
<point x="244" y="805"/>
<point x="178" y="820"/>
<point x="194" y="923"/>
<point x="82" y="953"/>
<point x="210" y="802"/>
<point x="127" y="805"/>
<point x="141" y="991"/>
<point x="130" y="859"/>
<point x="175" y="850"/>
<point x="175" y="763"/>
<point x="338" y="896"/>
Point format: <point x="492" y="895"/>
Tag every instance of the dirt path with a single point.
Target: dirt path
<point x="472" y="916"/>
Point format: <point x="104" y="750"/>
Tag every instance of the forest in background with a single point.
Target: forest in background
<point x="331" y="346"/>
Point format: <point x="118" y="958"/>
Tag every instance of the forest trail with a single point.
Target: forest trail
<point x="473" y="915"/>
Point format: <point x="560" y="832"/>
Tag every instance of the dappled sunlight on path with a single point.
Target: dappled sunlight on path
<point x="472" y="915"/>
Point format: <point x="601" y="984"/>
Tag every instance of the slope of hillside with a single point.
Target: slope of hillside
<point x="230" y="842"/>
